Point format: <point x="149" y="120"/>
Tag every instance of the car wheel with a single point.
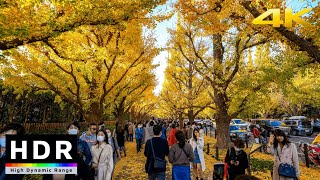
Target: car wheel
<point x="294" y="133"/>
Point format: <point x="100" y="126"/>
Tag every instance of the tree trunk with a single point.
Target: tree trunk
<point x="223" y="133"/>
<point x="94" y="114"/>
<point x="191" y="115"/>
<point x="120" y="118"/>
<point x="223" y="120"/>
<point x="180" y="120"/>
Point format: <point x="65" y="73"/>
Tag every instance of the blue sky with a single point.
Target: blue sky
<point x="162" y="35"/>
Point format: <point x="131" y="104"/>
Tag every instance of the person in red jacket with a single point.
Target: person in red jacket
<point x="171" y="138"/>
<point x="256" y="133"/>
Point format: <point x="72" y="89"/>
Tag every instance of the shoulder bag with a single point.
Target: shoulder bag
<point x="185" y="153"/>
<point x="285" y="169"/>
<point x="93" y="170"/>
<point x="158" y="163"/>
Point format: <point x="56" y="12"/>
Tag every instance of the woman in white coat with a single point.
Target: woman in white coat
<point x="102" y="154"/>
<point x="198" y="164"/>
<point x="284" y="152"/>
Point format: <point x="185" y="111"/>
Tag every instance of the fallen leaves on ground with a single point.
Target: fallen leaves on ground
<point x="131" y="167"/>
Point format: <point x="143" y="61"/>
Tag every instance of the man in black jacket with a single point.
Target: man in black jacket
<point x="160" y="148"/>
<point x="13" y="129"/>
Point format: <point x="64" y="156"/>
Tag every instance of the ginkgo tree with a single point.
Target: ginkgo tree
<point x="245" y="11"/>
<point x="29" y="21"/>
<point x="218" y="56"/>
<point x="94" y="68"/>
<point x="185" y="91"/>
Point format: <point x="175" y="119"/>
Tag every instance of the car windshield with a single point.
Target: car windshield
<point x="305" y="123"/>
<point x="288" y="122"/>
<point x="239" y="121"/>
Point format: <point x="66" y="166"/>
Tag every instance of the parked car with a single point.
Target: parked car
<point x="280" y="125"/>
<point x="237" y="132"/>
<point x="241" y="123"/>
<point x="316" y="124"/>
<point x="270" y="125"/>
<point x="300" y="125"/>
<point x="199" y="121"/>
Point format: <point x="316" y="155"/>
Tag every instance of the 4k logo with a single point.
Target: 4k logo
<point x="289" y="17"/>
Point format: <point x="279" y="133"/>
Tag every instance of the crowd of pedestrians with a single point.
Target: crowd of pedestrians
<point x="99" y="150"/>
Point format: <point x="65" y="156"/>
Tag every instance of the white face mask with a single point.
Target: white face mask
<point x="237" y="149"/>
<point x="73" y="131"/>
<point x="109" y="134"/>
<point x="100" y="138"/>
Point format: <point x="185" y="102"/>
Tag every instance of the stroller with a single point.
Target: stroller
<point x="313" y="152"/>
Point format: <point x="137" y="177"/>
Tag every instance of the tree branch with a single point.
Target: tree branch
<point x="13" y="43"/>
<point x="312" y="49"/>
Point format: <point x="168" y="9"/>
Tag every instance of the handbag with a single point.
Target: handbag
<point x="158" y="163"/>
<point x="286" y="169"/>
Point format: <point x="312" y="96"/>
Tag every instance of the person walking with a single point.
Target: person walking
<point x="101" y="125"/>
<point x="139" y="137"/>
<point x="168" y="129"/>
<point x="134" y="129"/>
<point x="102" y="160"/>
<point x="198" y="165"/>
<point x="130" y="131"/>
<point x="126" y="128"/>
<point x="9" y="129"/>
<point x="172" y="138"/>
<point x="148" y="133"/>
<point x="120" y="138"/>
<point x="180" y="156"/>
<point x="256" y="133"/>
<point x="236" y="159"/>
<point x="201" y="131"/>
<point x="164" y="133"/>
<point x="115" y="148"/>
<point x="89" y="136"/>
<point x="284" y="152"/>
<point x="83" y="158"/>
<point x="158" y="148"/>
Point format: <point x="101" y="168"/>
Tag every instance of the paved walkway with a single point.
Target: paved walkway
<point x="132" y="166"/>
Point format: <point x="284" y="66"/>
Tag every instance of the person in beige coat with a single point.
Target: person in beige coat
<point x="284" y="152"/>
<point x="102" y="154"/>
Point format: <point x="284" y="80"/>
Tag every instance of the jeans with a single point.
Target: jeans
<point x="157" y="176"/>
<point x="139" y="141"/>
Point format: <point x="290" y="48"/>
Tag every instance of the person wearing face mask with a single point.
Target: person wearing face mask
<point x="236" y="159"/>
<point x="102" y="160"/>
<point x="284" y="152"/>
<point x="12" y="129"/>
<point x="83" y="158"/>
<point x="139" y="136"/>
<point x="115" y="148"/>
